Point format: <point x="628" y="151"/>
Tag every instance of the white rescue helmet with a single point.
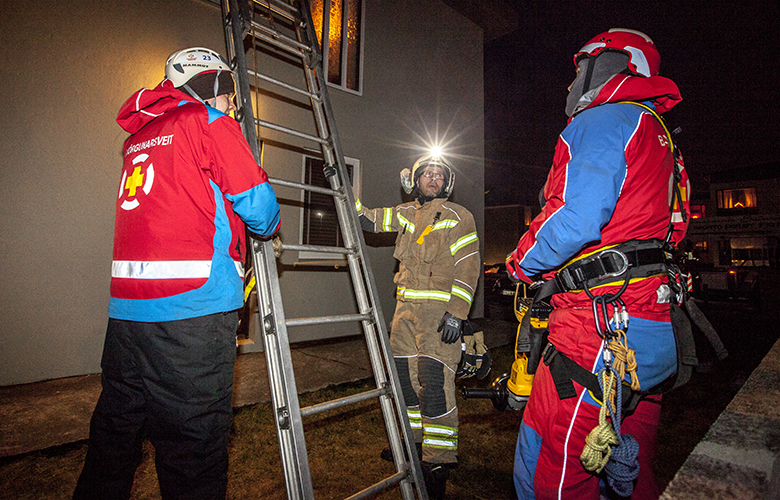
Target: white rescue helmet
<point x="187" y="64"/>
<point x="409" y="178"/>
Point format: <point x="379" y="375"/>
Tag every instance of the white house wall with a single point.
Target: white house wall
<point x="70" y="71"/>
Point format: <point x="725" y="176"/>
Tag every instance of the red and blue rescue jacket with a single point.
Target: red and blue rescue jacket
<point x="189" y="182"/>
<point x="611" y="181"/>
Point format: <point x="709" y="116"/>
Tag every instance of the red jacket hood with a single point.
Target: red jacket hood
<point x="660" y="90"/>
<point x="147" y="104"/>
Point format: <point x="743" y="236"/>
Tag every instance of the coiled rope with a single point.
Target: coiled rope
<point x="599" y="442"/>
<point x="605" y="447"/>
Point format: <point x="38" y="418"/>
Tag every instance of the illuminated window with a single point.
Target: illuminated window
<point x="750" y="251"/>
<point x="343" y="49"/>
<point x="319" y="222"/>
<point x="700" y="245"/>
<point x="737" y="198"/>
<point x="697" y="211"/>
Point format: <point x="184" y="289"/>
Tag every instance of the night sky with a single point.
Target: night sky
<point x="724" y="56"/>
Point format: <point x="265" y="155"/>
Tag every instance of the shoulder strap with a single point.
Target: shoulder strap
<point x="678" y="172"/>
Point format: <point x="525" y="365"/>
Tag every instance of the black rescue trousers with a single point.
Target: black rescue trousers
<point x="173" y="383"/>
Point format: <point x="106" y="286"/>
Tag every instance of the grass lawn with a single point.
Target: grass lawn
<point x="344" y="444"/>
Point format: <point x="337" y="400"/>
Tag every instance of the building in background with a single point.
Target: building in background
<point x="732" y="242"/>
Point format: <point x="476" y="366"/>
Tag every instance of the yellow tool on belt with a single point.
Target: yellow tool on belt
<point x="513" y="389"/>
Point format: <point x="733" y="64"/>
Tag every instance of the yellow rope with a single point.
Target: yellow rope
<point x="597" y="450"/>
<point x="624" y="358"/>
<point x="599" y="442"/>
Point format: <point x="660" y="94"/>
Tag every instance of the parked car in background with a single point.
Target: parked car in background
<point x="498" y="287"/>
<point x="501" y="293"/>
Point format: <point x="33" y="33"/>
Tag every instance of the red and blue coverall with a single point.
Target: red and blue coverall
<point x="610" y="182"/>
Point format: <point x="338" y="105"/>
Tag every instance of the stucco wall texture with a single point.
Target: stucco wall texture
<point x="68" y="70"/>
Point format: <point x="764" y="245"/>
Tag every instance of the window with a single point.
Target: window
<point x="697" y="211"/>
<point x="319" y="222"/>
<point x="342" y="50"/>
<point x="737" y="198"/>
<point x="751" y="251"/>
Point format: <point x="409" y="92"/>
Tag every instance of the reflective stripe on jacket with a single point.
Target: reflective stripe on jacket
<point x="188" y="185"/>
<point x="438" y="248"/>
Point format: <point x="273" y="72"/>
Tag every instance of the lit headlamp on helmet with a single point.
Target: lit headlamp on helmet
<point x="409" y="178"/>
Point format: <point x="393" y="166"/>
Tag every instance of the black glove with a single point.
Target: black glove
<point x="329" y="170"/>
<point x="512" y="269"/>
<point x="451" y="328"/>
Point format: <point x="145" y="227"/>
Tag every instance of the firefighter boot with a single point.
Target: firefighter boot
<point x="435" y="477"/>
<point x="387" y="453"/>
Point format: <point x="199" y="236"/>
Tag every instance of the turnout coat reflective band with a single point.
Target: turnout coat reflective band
<point x="438" y="248"/>
<point x="189" y="182"/>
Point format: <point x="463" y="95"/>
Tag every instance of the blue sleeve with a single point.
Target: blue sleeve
<point x="588" y="188"/>
<point x="258" y="208"/>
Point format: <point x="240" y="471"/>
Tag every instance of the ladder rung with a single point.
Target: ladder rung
<point x="285" y="28"/>
<point x="323" y="320"/>
<point x="317" y="248"/>
<point x="285" y="85"/>
<point x="279" y="40"/>
<point x="288" y="12"/>
<point x="305" y="187"/>
<point x="381" y="486"/>
<point x="338" y="403"/>
<point x="280" y="128"/>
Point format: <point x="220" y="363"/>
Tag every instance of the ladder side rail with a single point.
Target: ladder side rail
<point x="340" y="182"/>
<point x="284" y="393"/>
<point x="347" y="214"/>
<point x="292" y="445"/>
<point x="289" y="426"/>
<point x="237" y="56"/>
<point x="334" y="156"/>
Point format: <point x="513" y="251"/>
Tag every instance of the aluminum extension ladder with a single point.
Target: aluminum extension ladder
<point x="286" y="27"/>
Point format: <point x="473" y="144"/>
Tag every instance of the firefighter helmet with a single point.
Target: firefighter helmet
<point x="409" y="178"/>
<point x="643" y="57"/>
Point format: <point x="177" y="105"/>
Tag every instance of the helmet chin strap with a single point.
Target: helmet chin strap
<point x="196" y="96"/>
<point x="216" y="83"/>
<point x="193" y="94"/>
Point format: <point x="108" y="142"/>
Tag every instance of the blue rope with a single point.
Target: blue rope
<point x="623" y="465"/>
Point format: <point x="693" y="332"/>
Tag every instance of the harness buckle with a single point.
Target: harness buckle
<point x="623" y="261"/>
<point x="607" y="263"/>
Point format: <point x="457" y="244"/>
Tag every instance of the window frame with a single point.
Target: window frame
<point x="309" y="257"/>
<point x="720" y="198"/>
<point x="325" y="44"/>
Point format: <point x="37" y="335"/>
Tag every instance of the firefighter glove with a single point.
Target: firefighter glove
<point x="475" y="359"/>
<point x="450" y="328"/>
